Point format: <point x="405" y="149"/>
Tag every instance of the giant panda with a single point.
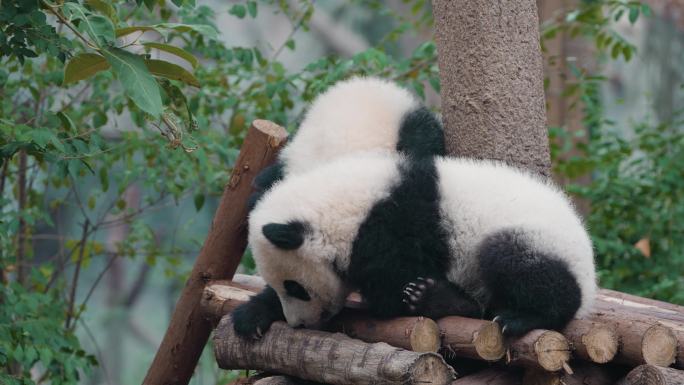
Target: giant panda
<point x="357" y="114"/>
<point x="430" y="236"/>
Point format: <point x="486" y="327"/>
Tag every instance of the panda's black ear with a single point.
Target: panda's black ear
<point x="287" y="236"/>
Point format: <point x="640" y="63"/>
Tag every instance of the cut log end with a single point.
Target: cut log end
<point x="600" y="344"/>
<point x="425" y="336"/>
<point x="653" y="375"/>
<point x="277" y="134"/>
<point x="431" y="369"/>
<point x="552" y="350"/>
<point x="659" y="346"/>
<point x="489" y="342"/>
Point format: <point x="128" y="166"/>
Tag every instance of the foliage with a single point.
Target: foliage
<point x="113" y="112"/>
<point x="635" y="175"/>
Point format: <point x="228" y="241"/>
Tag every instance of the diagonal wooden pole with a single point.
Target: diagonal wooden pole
<point x="220" y="256"/>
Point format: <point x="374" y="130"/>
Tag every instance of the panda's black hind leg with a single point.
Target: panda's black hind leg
<point x="437" y="298"/>
<point x="529" y="289"/>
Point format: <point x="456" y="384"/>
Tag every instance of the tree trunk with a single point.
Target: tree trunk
<point x="492" y="81"/>
<point x="188" y="330"/>
<point x="325" y="357"/>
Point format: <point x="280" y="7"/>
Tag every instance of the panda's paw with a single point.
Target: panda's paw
<point x="514" y="324"/>
<point x="251" y="321"/>
<point x="416" y="292"/>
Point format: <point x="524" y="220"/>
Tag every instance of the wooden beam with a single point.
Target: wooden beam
<point x="220" y="256"/>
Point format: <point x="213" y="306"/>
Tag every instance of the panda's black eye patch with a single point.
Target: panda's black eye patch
<point x="295" y="290"/>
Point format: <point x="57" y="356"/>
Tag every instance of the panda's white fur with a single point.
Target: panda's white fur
<point x="358" y="114"/>
<point x="483" y="197"/>
<point x="478" y="198"/>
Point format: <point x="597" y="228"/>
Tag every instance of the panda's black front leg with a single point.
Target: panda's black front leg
<point x="252" y="319"/>
<point x="437" y="298"/>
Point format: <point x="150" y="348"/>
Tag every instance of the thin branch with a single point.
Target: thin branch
<point x="294" y="30"/>
<point x="66" y="22"/>
<point x="21" y="237"/>
<point x="98" y="352"/>
<point x="137" y="287"/>
<point x="74" y="282"/>
<point x="94" y="285"/>
<point x="3" y="176"/>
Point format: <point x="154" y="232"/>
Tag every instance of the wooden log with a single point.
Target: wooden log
<point x="592" y="341"/>
<point x="584" y="373"/>
<point x="544" y="349"/>
<point x="188" y="329"/>
<point x="325" y="357"/>
<point x="653" y="375"/>
<point x="641" y="340"/>
<point x="611" y="303"/>
<point x="418" y="334"/>
<point x="492" y="376"/>
<point x="472" y="338"/>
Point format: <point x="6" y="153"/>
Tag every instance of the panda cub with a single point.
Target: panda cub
<point x="358" y="114"/>
<point x="429" y="236"/>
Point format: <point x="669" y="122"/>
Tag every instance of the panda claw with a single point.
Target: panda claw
<point x="259" y="333"/>
<point x="497" y="319"/>
<point x="503" y="330"/>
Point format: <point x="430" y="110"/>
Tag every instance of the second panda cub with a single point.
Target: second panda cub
<point x="357" y="115"/>
<point x="431" y="236"/>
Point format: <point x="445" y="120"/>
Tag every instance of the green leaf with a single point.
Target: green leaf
<point x="136" y="80"/>
<point x="203" y="29"/>
<point x="627" y="52"/>
<point x="252" y="8"/>
<point x="103" y="7"/>
<point x="83" y="66"/>
<point x="615" y="51"/>
<point x="183" y="54"/>
<point x="646" y="9"/>
<point x="66" y="120"/>
<point x="99" y="28"/>
<point x="290" y="44"/>
<point x="199" y="201"/>
<point x="171" y="71"/>
<point x="633" y="13"/>
<point x="104" y="178"/>
<point x="238" y="10"/>
<point x="128" y="30"/>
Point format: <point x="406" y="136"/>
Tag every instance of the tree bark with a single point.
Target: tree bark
<point x="325" y="357"/>
<point x="653" y="375"/>
<point x="492" y="81"/>
<point x="472" y="338"/>
<point x="592" y="341"/>
<point x="220" y="256"/>
<point x="544" y="349"/>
